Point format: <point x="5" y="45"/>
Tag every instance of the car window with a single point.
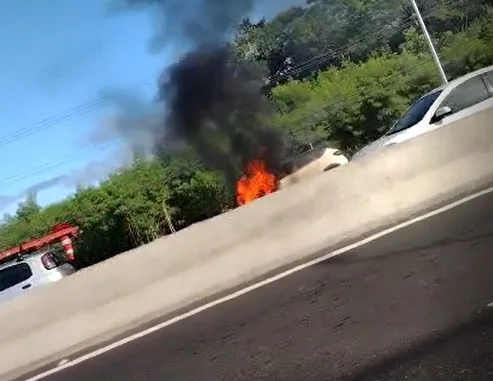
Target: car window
<point x="489" y="76"/>
<point x="415" y="113"/>
<point x="10" y="276"/>
<point x="467" y="94"/>
<point x="57" y="257"/>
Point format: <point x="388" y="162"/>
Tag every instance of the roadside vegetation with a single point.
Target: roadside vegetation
<point x="339" y="71"/>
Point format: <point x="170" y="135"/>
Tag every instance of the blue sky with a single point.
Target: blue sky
<point x="58" y="57"/>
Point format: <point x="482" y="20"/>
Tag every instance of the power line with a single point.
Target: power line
<point x="320" y="58"/>
<point x="89" y="105"/>
<point x="323" y="57"/>
<point x="46" y="167"/>
<point x="62" y="161"/>
<point x="101" y="101"/>
<point x="361" y="89"/>
<point x="52" y="121"/>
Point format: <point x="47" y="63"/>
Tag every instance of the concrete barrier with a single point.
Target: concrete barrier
<point x="231" y="250"/>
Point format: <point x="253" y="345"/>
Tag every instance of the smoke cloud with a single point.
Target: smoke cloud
<point x="89" y="174"/>
<point x="212" y="102"/>
<point x="133" y="119"/>
<point x="193" y="21"/>
<point x="217" y="108"/>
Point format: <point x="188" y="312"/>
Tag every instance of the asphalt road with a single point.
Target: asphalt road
<point x="409" y="306"/>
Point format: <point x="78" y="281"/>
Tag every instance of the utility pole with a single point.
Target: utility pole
<point x="430" y="42"/>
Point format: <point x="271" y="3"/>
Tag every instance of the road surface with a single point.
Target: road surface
<point x="412" y="305"/>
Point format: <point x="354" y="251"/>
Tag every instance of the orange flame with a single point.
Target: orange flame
<point x="255" y="183"/>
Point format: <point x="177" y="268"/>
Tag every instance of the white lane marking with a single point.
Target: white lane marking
<point x="490" y="305"/>
<point x="255" y="286"/>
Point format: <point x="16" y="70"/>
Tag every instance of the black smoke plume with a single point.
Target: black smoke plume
<point x="213" y="102"/>
<point x="217" y="108"/>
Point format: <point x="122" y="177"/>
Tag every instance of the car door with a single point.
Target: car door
<point x="468" y="98"/>
<point x="14" y="280"/>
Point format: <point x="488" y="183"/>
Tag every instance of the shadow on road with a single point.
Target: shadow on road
<point x="461" y="353"/>
<point x="358" y="256"/>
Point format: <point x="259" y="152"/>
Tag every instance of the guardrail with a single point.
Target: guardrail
<point x="228" y="251"/>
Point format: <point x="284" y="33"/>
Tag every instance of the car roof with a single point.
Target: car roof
<point x="462" y="79"/>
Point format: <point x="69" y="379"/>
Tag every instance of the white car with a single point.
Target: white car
<point x="459" y="99"/>
<point x="310" y="164"/>
<point x="19" y="275"/>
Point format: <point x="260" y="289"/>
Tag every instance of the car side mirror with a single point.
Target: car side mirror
<point x="442" y="113"/>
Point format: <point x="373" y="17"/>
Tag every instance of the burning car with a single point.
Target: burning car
<point x="258" y="180"/>
<point x="312" y="163"/>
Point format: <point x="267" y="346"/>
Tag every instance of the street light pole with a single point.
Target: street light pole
<point x="430" y="42"/>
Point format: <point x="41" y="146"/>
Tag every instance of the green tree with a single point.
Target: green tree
<point x="302" y="40"/>
<point x="195" y="193"/>
<point x="470" y="49"/>
<point x="29" y="208"/>
<point x="373" y="62"/>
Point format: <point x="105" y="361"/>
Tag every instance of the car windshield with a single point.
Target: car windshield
<point x="415" y="113"/>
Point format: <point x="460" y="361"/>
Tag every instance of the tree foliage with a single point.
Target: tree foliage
<point x="139" y="203"/>
<point x="341" y="71"/>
